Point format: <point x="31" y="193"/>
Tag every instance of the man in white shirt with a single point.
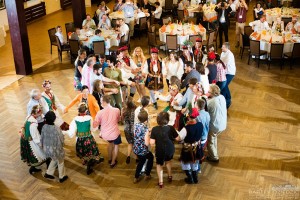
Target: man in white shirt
<point x="293" y="26"/>
<point x="228" y="59"/>
<point x="260" y="24"/>
<point x="124" y="29"/>
<point x="60" y="35"/>
<point x="88" y="22"/>
<point x="157" y="13"/>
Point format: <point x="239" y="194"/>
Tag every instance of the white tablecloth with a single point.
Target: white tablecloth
<point x="209" y="13"/>
<point x="179" y="30"/>
<point x="272" y="14"/>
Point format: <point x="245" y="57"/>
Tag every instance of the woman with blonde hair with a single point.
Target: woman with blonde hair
<point x="139" y="59"/>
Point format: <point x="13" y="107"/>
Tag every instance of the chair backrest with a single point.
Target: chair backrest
<point x="193" y="38"/>
<point x="286" y="20"/>
<point x="113" y="23"/>
<point x="166" y="20"/>
<point x="192" y="19"/>
<point x="74" y="46"/>
<point x="169" y="4"/>
<point x="151" y="38"/>
<point x="151" y="28"/>
<point x="276" y="51"/>
<point x="211" y="37"/>
<point x="51" y="33"/>
<point x="254" y="47"/>
<point x="296" y="50"/>
<point x="171" y="42"/>
<point x="143" y="23"/>
<point x="58" y="43"/>
<point x="180" y="14"/>
<point x="248" y="30"/>
<point x="70" y="27"/>
<point x="99" y="47"/>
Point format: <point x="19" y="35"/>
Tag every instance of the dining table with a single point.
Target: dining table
<point x="209" y="12"/>
<point x="284" y="12"/>
<point x="183" y="31"/>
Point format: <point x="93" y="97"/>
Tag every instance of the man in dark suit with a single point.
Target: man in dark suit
<point x="223" y="10"/>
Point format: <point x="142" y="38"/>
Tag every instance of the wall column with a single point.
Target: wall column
<point x="78" y="7"/>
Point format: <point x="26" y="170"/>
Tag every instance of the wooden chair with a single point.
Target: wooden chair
<point x="99" y="47"/>
<point x="113" y="23"/>
<point x="248" y="30"/>
<point x="295" y="54"/>
<point x="51" y="33"/>
<point x="286" y="20"/>
<point x="168" y="6"/>
<point x="74" y="47"/>
<point x="70" y="28"/>
<point x="244" y="44"/>
<point x="276" y="53"/>
<point x="255" y="51"/>
<point x="171" y="43"/>
<point x="61" y="48"/>
<point x="193" y="38"/>
<point x="211" y="39"/>
<point x="142" y="26"/>
<point x="192" y="19"/>
<point x="180" y="15"/>
<point x="152" y="42"/>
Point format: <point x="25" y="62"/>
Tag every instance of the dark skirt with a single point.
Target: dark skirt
<point x="87" y="149"/>
<point x="27" y="154"/>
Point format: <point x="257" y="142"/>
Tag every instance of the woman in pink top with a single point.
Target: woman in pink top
<point x="221" y="73"/>
<point x="108" y="118"/>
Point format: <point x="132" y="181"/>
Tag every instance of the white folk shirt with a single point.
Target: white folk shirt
<point x="228" y="59"/>
<point x="124" y="29"/>
<point x="172" y="69"/>
<point x="259" y="26"/>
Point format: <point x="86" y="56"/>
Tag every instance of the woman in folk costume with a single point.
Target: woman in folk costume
<point x="153" y="69"/>
<point x="172" y="67"/>
<point x="88" y="99"/>
<point x="191" y="151"/>
<point x="173" y="110"/>
<point x="197" y="50"/>
<point x="86" y="146"/>
<point x="53" y="104"/>
<point x="30" y="141"/>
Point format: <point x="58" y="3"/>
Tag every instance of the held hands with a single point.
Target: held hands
<point x="117" y="82"/>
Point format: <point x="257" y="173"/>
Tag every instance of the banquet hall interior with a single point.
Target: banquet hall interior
<point x="259" y="150"/>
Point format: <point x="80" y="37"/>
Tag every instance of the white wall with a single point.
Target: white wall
<point x="51" y="6"/>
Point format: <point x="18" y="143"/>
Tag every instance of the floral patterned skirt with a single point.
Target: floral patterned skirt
<point x="27" y="154"/>
<point x="87" y="149"/>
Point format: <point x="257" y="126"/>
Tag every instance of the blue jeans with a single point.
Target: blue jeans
<point x="226" y="91"/>
<point x="222" y="86"/>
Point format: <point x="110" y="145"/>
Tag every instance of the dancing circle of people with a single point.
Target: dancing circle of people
<point x="193" y="118"/>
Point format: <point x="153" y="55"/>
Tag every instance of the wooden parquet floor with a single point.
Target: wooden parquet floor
<point x="259" y="151"/>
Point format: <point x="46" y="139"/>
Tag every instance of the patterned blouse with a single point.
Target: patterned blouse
<point x="139" y="146"/>
<point x="221" y="73"/>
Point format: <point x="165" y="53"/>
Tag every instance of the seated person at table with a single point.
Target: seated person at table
<point x="198" y="13"/>
<point x="293" y="26"/>
<point x="147" y="8"/>
<point x="88" y="22"/>
<point x="259" y="11"/>
<point x="75" y="35"/>
<point x="118" y="5"/>
<point x="94" y="38"/>
<point x="60" y="36"/>
<point x="104" y="23"/>
<point x="102" y="5"/>
<point x="157" y="13"/>
<point x="261" y="24"/>
<point x="124" y="29"/>
<point x="128" y="8"/>
<point x="180" y="5"/>
<point x="278" y="25"/>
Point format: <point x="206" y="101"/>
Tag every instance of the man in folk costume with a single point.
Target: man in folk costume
<point x="30" y="141"/>
<point x="197" y="50"/>
<point x="36" y="99"/>
<point x="173" y="110"/>
<point x="53" y="104"/>
<point x="153" y="69"/>
<point x="128" y="65"/>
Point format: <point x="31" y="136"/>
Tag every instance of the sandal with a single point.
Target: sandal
<point x="160" y="184"/>
<point x="170" y="179"/>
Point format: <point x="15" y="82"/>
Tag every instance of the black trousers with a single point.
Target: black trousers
<point x="223" y="28"/>
<point x="142" y="160"/>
